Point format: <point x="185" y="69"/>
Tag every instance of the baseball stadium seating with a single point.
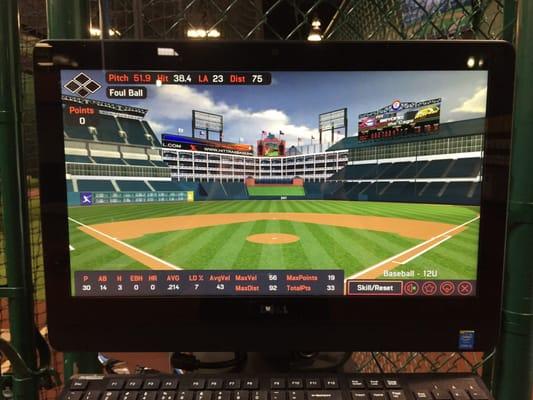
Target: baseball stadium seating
<point x="133" y="186"/>
<point x="135" y="131"/>
<point x="435" y="169"/>
<point x="77" y="159"/>
<point x="108" y="160"/>
<point x="313" y="190"/>
<point x="165" y="186"/>
<point x="145" y="163"/>
<point x="464" y="167"/>
<point x="214" y="191"/>
<point x="446" y="168"/>
<point x="411" y="170"/>
<point x="392" y="170"/>
<point x="89" y="185"/>
<point x="108" y="129"/>
<point x="236" y="190"/>
<point x="78" y="132"/>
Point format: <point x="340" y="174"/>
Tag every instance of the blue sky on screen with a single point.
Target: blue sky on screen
<point x="295" y="99"/>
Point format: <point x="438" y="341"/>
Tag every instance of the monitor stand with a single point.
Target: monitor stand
<point x="272" y="362"/>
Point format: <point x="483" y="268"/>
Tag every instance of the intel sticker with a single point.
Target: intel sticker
<point x="466" y="340"/>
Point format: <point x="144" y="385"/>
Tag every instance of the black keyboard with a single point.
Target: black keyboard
<point x="277" y="387"/>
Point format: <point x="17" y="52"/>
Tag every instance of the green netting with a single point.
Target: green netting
<point x="257" y="20"/>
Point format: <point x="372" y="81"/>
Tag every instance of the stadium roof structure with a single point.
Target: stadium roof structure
<point x="466" y="127"/>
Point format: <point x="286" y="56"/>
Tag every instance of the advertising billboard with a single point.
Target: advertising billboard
<point x="195" y="144"/>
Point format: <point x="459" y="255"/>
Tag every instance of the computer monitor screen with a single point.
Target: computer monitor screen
<point x="273" y="183"/>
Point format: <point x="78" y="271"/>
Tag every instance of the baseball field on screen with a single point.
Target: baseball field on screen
<point x="365" y="239"/>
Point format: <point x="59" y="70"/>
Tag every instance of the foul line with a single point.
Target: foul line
<point x="129" y="246"/>
<point x="445" y="235"/>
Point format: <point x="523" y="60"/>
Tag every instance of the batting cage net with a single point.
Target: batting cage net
<point x="256" y="20"/>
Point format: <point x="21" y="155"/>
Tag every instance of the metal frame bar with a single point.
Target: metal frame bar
<point x="15" y="203"/>
<point x="514" y="379"/>
<point x="70" y="19"/>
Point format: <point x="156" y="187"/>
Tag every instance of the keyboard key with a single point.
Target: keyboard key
<point x="169" y="384"/>
<point x="214" y="384"/>
<point x="378" y="395"/>
<point x="115" y="384"/>
<point x="422" y="395"/>
<point x="357" y="384"/>
<point x="331" y="383"/>
<point x="79" y="385"/>
<point x="324" y="395"/>
<point x="313" y="383"/>
<point x="459" y="394"/>
<point x="277" y="383"/>
<point x="147" y="395"/>
<point x="204" y="395"/>
<point x="278" y="395"/>
<point x="477" y="394"/>
<point x="440" y="394"/>
<point x="222" y="395"/>
<point x="296" y="383"/>
<point x="250" y="383"/>
<point x="233" y="384"/>
<point x="92" y="395"/>
<point x="198" y="384"/>
<point x="296" y="395"/>
<point x="359" y="395"/>
<point x="241" y="395"/>
<point x="260" y="395"/>
<point x="397" y="395"/>
<point x="185" y="395"/>
<point x="151" y="384"/>
<point x="374" y="384"/>
<point x="134" y="383"/>
<point x="111" y="395"/>
<point x="391" y="383"/>
<point x="74" y="395"/>
<point x="130" y="395"/>
<point x="166" y="395"/>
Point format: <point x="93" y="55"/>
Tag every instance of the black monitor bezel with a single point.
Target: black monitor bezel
<point x="207" y="324"/>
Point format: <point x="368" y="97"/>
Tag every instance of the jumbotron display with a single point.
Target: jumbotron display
<point x="168" y="196"/>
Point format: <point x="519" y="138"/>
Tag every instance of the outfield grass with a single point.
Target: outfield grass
<point x="320" y="246"/>
<point x="276" y="191"/>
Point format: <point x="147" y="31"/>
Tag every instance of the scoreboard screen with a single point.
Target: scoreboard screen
<point x="400" y="118"/>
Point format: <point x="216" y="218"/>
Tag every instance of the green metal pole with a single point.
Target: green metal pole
<point x="15" y="202"/>
<point x="514" y="372"/>
<point x="71" y="19"/>
<point x="68" y="19"/>
<point x="509" y="20"/>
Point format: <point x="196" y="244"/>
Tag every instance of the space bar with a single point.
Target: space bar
<point x="324" y="395"/>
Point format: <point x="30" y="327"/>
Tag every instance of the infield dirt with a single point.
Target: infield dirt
<point x="124" y="230"/>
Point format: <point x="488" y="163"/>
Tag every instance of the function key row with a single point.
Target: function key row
<point x="240" y="383"/>
<point x="204" y="395"/>
<point x="229" y="384"/>
<point x="308" y="383"/>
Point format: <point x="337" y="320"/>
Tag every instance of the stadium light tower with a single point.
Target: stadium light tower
<point x="315" y="34"/>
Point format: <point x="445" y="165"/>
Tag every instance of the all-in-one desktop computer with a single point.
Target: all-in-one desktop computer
<point x="273" y="197"/>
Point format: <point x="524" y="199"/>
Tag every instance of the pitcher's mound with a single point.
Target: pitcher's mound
<point x="273" y="238"/>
